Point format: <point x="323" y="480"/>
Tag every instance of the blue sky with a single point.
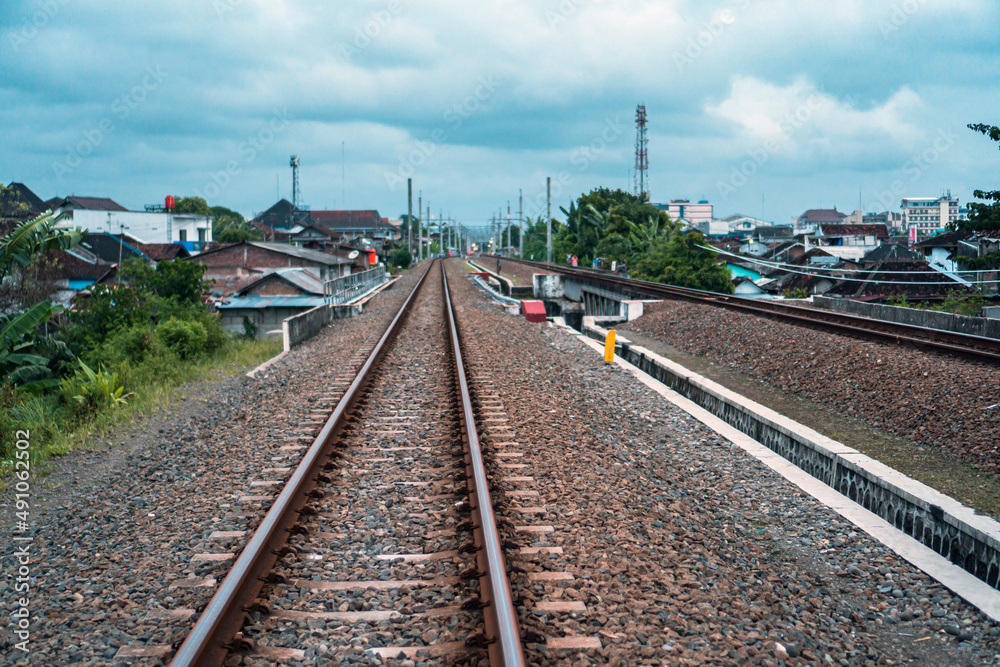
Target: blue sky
<point x="763" y="107"/>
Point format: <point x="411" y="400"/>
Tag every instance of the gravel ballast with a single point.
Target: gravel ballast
<point x="685" y="550"/>
<point x="114" y="547"/>
<point x="939" y="401"/>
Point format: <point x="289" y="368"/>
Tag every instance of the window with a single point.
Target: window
<point x="201" y="235"/>
<point x="182" y="235"/>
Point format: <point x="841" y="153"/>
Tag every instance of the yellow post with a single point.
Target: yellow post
<point x="609" y="347"/>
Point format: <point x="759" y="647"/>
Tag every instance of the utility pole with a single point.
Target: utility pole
<point x="520" y="222"/>
<point x="508" y="224"/>
<point x="420" y="212"/>
<point x="428" y="230"/>
<point x="548" y="219"/>
<point x="409" y="215"/>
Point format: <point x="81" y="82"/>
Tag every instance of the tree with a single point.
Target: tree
<point x="982" y="216"/>
<point x="680" y="260"/>
<point x="195" y="205"/>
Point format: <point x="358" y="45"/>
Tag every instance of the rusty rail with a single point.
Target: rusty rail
<point x="498" y="608"/>
<point x="218" y="627"/>
<point x="965" y="345"/>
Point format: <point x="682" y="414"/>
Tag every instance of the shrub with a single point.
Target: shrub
<point x="188" y="339"/>
<point x="87" y="391"/>
<point x="798" y="293"/>
<point x="401" y="257"/>
<point x="249" y="328"/>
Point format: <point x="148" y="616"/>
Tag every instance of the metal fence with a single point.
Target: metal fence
<point x="347" y="288"/>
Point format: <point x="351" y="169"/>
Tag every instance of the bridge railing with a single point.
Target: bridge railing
<point x="347" y="288"/>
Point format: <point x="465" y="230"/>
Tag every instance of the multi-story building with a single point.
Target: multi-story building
<point x="932" y="214"/>
<point x="694" y="214"/>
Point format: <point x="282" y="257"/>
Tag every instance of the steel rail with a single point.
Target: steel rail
<point x="967" y="345"/>
<point x="498" y="608"/>
<point x="213" y="635"/>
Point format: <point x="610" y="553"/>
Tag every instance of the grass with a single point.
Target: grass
<point x="152" y="390"/>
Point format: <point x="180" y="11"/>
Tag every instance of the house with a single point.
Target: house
<point x="809" y="222"/>
<point x="849" y="241"/>
<point x="743" y="225"/>
<point x="914" y="279"/>
<point x="888" y="252"/>
<point x="265" y="302"/>
<point x="17" y="203"/>
<point x="236" y="265"/>
<point x="941" y="249"/>
<point x="101" y="214"/>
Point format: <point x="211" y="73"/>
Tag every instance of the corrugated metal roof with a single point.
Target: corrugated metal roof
<point x="256" y="301"/>
<point x="301" y="253"/>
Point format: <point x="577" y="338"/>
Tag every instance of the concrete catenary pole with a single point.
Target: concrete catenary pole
<point x="420" y="213"/>
<point x="409" y="215"/>
<point x="548" y="219"/>
<point x="508" y="226"/>
<point x="520" y="222"/>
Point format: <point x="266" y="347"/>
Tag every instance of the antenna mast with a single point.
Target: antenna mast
<point x="641" y="155"/>
<point x="294" y="164"/>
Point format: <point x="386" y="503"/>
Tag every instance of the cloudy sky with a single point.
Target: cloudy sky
<point x="763" y="107"/>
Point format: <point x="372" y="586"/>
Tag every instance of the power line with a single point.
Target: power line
<point x="781" y="265"/>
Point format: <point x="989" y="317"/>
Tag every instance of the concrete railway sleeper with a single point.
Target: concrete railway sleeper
<point x="383" y="544"/>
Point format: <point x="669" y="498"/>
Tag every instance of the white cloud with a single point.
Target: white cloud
<point x="806" y="122"/>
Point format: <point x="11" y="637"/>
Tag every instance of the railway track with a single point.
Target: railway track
<point x="383" y="542"/>
<point x="964" y="345"/>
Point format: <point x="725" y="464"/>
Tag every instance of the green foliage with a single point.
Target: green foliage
<point x="195" y="205"/>
<point x="173" y="279"/>
<point x="106" y="311"/>
<point x="962" y="304"/>
<point x="249" y="328"/>
<point x="229" y="226"/>
<point x="401" y="257"/>
<point x="31" y="238"/>
<point x="87" y="391"/>
<point x="898" y="300"/>
<point x="187" y="339"/>
<point x="680" y="260"/>
<point x="798" y="293"/>
<point x="24" y="354"/>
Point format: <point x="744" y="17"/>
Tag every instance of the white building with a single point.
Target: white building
<point x="743" y="224"/>
<point x="694" y="214"/>
<point x="931" y="214"/>
<point x="106" y="215"/>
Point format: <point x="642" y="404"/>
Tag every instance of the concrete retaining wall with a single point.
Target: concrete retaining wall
<point x="941" y="523"/>
<point x="305" y="325"/>
<point x="975" y="326"/>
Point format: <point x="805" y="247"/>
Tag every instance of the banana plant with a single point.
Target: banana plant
<point x="20" y="345"/>
<point x="32" y="238"/>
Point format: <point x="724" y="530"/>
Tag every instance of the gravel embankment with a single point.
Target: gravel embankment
<point x="113" y="547"/>
<point x="935" y="400"/>
<point x="683" y="549"/>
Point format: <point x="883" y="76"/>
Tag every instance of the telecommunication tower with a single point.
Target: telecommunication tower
<point x="294" y="164"/>
<point x="641" y="155"/>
